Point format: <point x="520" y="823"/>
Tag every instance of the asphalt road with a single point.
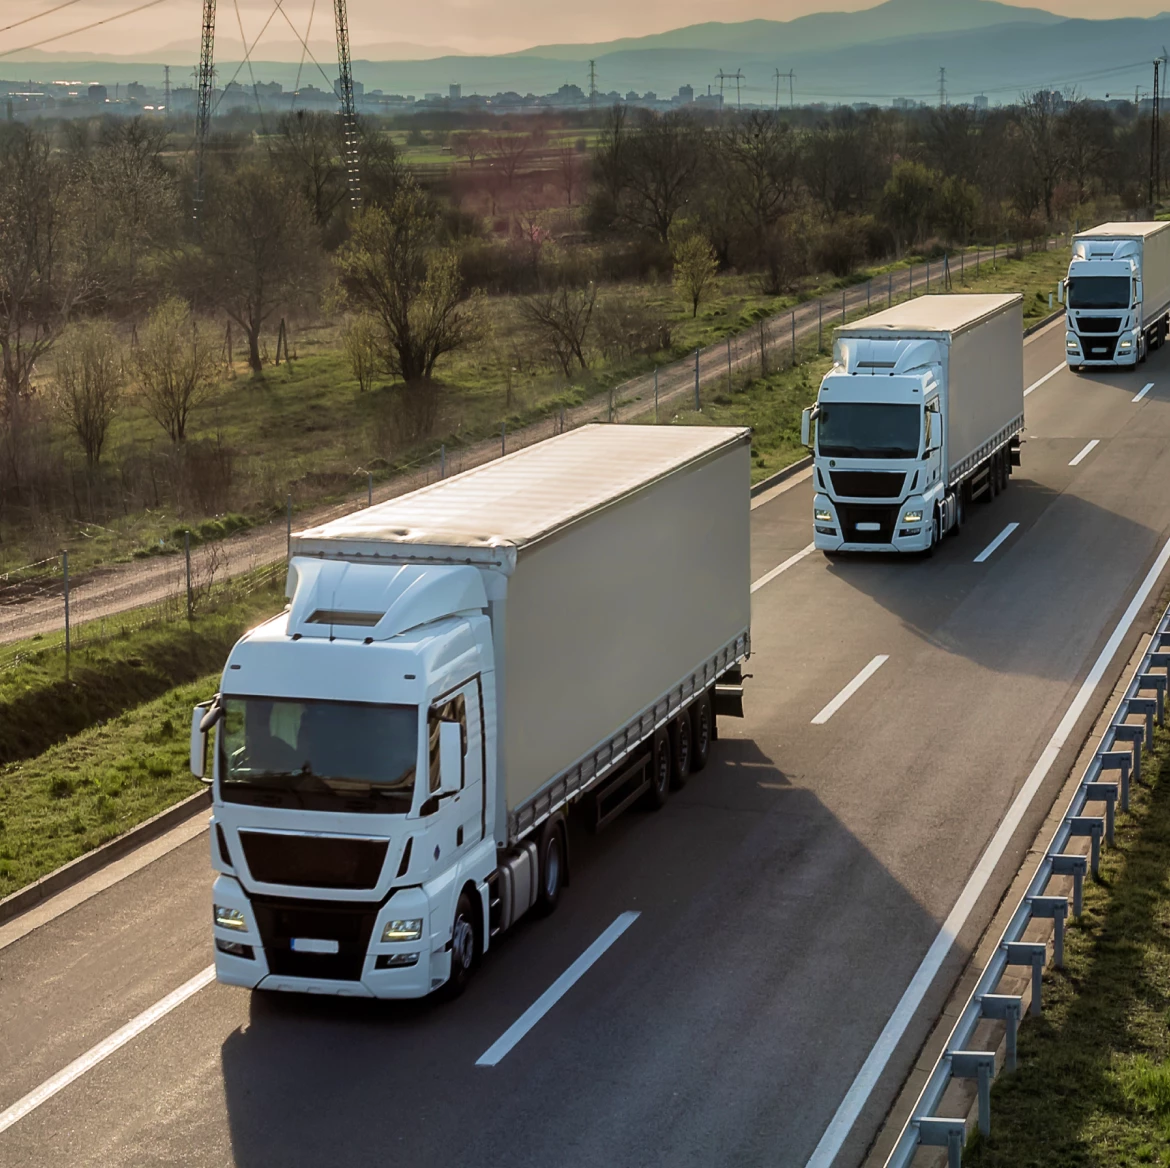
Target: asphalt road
<point x="786" y="896"/>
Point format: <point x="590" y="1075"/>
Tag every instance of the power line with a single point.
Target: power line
<point x="84" y="28"/>
<point x="304" y="49"/>
<point x="38" y="15"/>
<point x="942" y="87"/>
<point x="251" y="71"/>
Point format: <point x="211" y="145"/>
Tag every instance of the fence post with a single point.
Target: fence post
<point x="994" y="249"/>
<point x="698" y="402"/>
<point x="820" y="325"/>
<point x="65" y="574"/>
<point x="729" y="364"/>
<point x="928" y="277"/>
<point x="288" y="526"/>
<point x="793" y="315"/>
<point x="443" y="460"/>
<point x="187" y="556"/>
<point x="609" y="408"/>
<point x="369" y="489"/>
<point x="503" y="439"/>
<point x="890" y="289"/>
<point x="868" y="293"/>
<point x="655" y="400"/>
<point x="562" y="419"/>
<point x="842" y="305"/>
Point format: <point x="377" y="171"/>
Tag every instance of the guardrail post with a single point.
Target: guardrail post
<point x="1070" y="864"/>
<point x="1107" y="793"/>
<point x="1156" y="682"/>
<point x="1119" y="760"/>
<point x="943" y="1133"/>
<point x="1147" y="708"/>
<point x="1055" y="909"/>
<point x="977" y="1064"/>
<point x="1005" y="1007"/>
<point x="1091" y="826"/>
<point x="1136" y="735"/>
<point x="1033" y="953"/>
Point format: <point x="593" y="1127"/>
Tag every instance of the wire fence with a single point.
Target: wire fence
<point x="42" y="608"/>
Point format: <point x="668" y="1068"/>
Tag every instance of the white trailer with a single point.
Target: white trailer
<point x="396" y="752"/>
<point x="920" y="415"/>
<point x="1117" y="295"/>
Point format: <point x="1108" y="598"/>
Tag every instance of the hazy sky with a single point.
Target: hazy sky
<point x="478" y="26"/>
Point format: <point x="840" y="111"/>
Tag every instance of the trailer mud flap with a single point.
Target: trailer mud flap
<point x="729" y="701"/>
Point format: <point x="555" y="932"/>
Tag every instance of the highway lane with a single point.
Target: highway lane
<point x="786" y="896"/>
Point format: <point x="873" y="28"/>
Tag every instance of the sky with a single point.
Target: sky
<point x="470" y="26"/>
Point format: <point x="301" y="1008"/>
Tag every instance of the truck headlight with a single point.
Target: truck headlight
<point x="912" y="517"/>
<point x="1071" y="346"/>
<point x="820" y="516"/>
<point x="1125" y="344"/>
<point x="230" y="918"/>
<point x="402" y="930"/>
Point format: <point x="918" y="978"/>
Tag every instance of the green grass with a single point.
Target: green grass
<point x="1092" y="1088"/>
<point x="40" y="706"/>
<point x="75" y="796"/>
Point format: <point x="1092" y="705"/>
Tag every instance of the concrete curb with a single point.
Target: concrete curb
<point x="771" y="481"/>
<point x="25" y="898"/>
<point x="1035" y="328"/>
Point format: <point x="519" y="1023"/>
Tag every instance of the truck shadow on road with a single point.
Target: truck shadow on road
<point x="721" y="1028"/>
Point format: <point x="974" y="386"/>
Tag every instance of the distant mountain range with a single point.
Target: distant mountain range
<point x="895" y="49"/>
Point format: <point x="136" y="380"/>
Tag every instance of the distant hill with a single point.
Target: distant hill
<point x="818" y="31"/>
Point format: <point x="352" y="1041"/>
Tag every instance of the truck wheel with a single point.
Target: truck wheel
<point x="1005" y="470"/>
<point x="993" y="484"/>
<point x="463" y="947"/>
<point x="680" y="750"/>
<point x="702" y="720"/>
<point x="659" y="788"/>
<point x="551" y="853"/>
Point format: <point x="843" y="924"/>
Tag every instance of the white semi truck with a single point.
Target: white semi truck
<point x="1117" y="294"/>
<point x="395" y="754"/>
<point x="920" y="415"/>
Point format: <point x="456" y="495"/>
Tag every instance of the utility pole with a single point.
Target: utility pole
<point x="778" y="76"/>
<point x="349" y="129"/>
<point x="737" y="77"/>
<point x="791" y="79"/>
<point x="592" y="85"/>
<point x="942" y="87"/>
<point x="167" y="89"/>
<point x="204" y="84"/>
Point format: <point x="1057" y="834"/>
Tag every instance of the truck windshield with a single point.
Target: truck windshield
<point x="1098" y="292"/>
<point x="338" y="756"/>
<point x="868" y="430"/>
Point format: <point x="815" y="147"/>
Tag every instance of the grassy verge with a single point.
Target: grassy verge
<point x="75" y="796"/>
<point x="40" y="706"/>
<point x="1093" y="1084"/>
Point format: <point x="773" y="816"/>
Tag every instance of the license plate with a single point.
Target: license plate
<point x="313" y="945"/>
<point x="868" y="526"/>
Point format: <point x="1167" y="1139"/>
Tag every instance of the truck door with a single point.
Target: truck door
<point x="467" y="812"/>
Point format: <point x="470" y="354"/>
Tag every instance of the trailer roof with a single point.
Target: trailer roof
<point x="934" y="314"/>
<point x="1124" y="230"/>
<point x="526" y="496"/>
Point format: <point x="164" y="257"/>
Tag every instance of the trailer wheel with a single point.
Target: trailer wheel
<point x="1005" y="470"/>
<point x="681" y="742"/>
<point x="702" y="725"/>
<point x="659" y="789"/>
<point x="551" y="853"/>
<point x="464" y="947"/>
<point x="993" y="481"/>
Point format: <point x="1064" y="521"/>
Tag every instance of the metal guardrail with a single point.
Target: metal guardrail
<point x="1119" y="754"/>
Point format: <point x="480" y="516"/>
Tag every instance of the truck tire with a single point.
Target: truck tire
<point x="464" y="947"/>
<point x="680" y="750"/>
<point x="993" y="479"/>
<point x="1005" y="469"/>
<point x="550" y="852"/>
<point x="660" y="768"/>
<point x="702" y="727"/>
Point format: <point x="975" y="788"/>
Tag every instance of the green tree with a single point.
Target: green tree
<point x="695" y="267"/>
<point x="908" y="199"/>
<point x="359" y="339"/>
<point x="176" y="363"/>
<point x="88" y="384"/>
<point x="394" y="269"/>
<point x="958" y="209"/>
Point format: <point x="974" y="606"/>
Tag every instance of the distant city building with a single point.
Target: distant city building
<point x="97" y="93"/>
<point x="569" y="95"/>
<point x="454" y="92"/>
<point x="709" y="101"/>
<point x="979" y="102"/>
<point x="686" y="94"/>
<point x="136" y="92"/>
<point x="358" y="89"/>
<point x="632" y="97"/>
<point x="650" y="96"/>
<point x="904" y="103"/>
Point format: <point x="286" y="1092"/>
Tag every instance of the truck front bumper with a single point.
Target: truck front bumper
<point x="259" y="956"/>
<point x="1101" y="352"/>
<point x="884" y="527"/>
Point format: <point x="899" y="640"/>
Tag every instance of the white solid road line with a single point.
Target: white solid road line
<point x="850" y="1107"/>
<point x="1085" y="453"/>
<point x="1050" y="373"/>
<point x="555" y="992"/>
<point x="851" y="689"/>
<point x="104" y="1049"/>
<point x="768" y="577"/>
<point x="1143" y="391"/>
<point x="989" y="550"/>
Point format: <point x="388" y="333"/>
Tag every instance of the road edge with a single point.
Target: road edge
<point x="779" y="477"/>
<point x="76" y="870"/>
<point x="1035" y="328"/>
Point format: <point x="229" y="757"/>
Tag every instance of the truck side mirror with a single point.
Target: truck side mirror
<point x="806" y="427"/>
<point x="450" y="758"/>
<point x="198" y="742"/>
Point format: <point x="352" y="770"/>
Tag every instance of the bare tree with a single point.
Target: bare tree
<point x="306" y="149"/>
<point x="561" y="320"/>
<point x="662" y="164"/>
<point x="509" y="151"/>
<point x="176" y="363"/>
<point x="1038" y="119"/>
<point x="89" y="382"/>
<point x="570" y="172"/>
<point x="393" y="268"/>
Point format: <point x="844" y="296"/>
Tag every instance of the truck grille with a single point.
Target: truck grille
<point x="350" y="925"/>
<point x="313" y="861"/>
<point x="1098" y="348"/>
<point x="1099" y="324"/>
<point x="852" y="514"/>
<point x="866" y="484"/>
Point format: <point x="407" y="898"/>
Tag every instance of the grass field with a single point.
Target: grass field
<point x="1092" y="1089"/>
